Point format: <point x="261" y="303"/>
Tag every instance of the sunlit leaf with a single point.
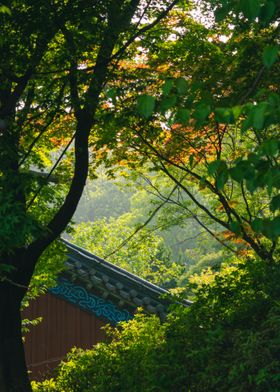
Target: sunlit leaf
<point x="5" y="10"/>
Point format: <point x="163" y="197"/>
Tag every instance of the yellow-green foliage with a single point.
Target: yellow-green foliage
<point x="128" y="361"/>
<point x="45" y="386"/>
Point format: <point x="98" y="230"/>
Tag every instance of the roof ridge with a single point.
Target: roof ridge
<point x="113" y="267"/>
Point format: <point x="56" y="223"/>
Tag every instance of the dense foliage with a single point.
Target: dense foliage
<point x="207" y="117"/>
<point x="57" y="58"/>
<point x="150" y="88"/>
<point x="126" y="221"/>
<point x="143" y="253"/>
<point x="228" y="340"/>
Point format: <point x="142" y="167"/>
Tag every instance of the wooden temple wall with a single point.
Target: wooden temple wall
<point x="63" y="327"/>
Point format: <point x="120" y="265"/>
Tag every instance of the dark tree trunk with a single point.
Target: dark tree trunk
<point x="13" y="371"/>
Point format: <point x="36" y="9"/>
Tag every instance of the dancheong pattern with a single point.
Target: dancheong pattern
<point x="77" y="295"/>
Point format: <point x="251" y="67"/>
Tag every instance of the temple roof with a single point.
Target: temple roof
<point x="113" y="284"/>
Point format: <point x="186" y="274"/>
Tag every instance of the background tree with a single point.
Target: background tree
<point x="57" y="58"/>
<point x="144" y="253"/>
<point x="130" y="219"/>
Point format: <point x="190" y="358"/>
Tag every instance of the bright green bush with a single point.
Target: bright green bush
<point x="45" y="386"/>
<point x="227" y="341"/>
<point x="128" y="363"/>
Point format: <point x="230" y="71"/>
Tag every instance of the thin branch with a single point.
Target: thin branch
<point x="145" y="29"/>
<point x="261" y="71"/>
<point x="214" y="235"/>
<point x="246" y="201"/>
<point x="85" y="119"/>
<point x="196" y="218"/>
<point x="195" y="175"/>
<point x="44" y="129"/>
<point x="188" y="239"/>
<point x="192" y="197"/>
<point x="44" y="176"/>
<point x="153" y="214"/>
<point x="51" y="172"/>
<point x="253" y="85"/>
<point x="176" y="181"/>
<point x="121" y="51"/>
<point x="5" y="279"/>
<point x="260" y="250"/>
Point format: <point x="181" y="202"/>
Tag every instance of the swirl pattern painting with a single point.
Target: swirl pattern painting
<point x="78" y="296"/>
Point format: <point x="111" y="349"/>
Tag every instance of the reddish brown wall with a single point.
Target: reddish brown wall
<point x="63" y="326"/>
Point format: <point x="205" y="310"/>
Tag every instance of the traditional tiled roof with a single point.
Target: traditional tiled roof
<point x="106" y="289"/>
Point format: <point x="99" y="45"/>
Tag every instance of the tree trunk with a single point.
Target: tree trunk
<point x="13" y="371"/>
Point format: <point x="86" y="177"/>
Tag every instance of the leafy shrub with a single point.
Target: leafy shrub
<point x="227" y="341"/>
<point x="45" y="386"/>
<point x="128" y="363"/>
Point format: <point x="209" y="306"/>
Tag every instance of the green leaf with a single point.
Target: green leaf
<point x="253" y="158"/>
<point x="242" y="170"/>
<point x="146" y="105"/>
<point x="182" y="116"/>
<point x="259" y="115"/>
<point x="276" y="176"/>
<point x="167" y="103"/>
<point x="191" y="158"/>
<point x="276" y="226"/>
<point x="221" y="180"/>
<point x="250" y="8"/>
<point x="268" y="180"/>
<point x="267" y="11"/>
<point x="274" y="99"/>
<point x="236" y="111"/>
<point x="167" y="87"/>
<point x="248" y="122"/>
<point x="181" y="85"/>
<point x="271" y="228"/>
<point x="257" y="225"/>
<point x="221" y="13"/>
<point x="111" y="94"/>
<point x="270" y="55"/>
<point x="236" y="173"/>
<point x="270" y="147"/>
<point x="235" y="227"/>
<point x="202" y="112"/>
<point x="219" y="169"/>
<point x="275" y="203"/>
<point x="216" y="166"/>
<point x="202" y="183"/>
<point x="224" y="115"/>
<point x="5" y="10"/>
<point x="251" y="185"/>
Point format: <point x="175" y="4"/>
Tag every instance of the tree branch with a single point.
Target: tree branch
<point x="85" y="117"/>
<point x="143" y="225"/>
